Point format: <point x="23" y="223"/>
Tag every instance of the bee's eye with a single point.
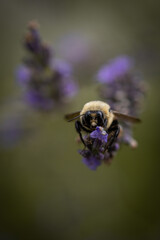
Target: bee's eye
<point x="99" y="115"/>
<point x="86" y="118"/>
<point x="87" y="115"/>
<point x="100" y="118"/>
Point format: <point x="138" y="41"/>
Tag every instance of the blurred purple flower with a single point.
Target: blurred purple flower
<point x="33" y="41"/>
<point x="68" y="89"/>
<point x="34" y="44"/>
<point x="37" y="100"/>
<point x="23" y="74"/>
<point x="62" y="67"/>
<point x="115" y="69"/>
<point x="123" y="90"/>
<point x="48" y="82"/>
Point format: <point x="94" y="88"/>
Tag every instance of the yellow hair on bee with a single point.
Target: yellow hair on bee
<point x="99" y="106"/>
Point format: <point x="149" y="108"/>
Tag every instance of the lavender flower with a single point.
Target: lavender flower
<point x="96" y="144"/>
<point x="47" y="82"/>
<point x="123" y="90"/>
<point x="23" y="75"/>
<point x="115" y="69"/>
<point x="37" y="100"/>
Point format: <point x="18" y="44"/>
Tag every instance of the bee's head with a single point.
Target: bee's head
<point x="92" y="119"/>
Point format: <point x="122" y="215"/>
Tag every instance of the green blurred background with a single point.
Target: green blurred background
<point x="45" y="190"/>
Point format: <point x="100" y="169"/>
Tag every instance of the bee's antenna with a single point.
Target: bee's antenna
<point x="75" y="117"/>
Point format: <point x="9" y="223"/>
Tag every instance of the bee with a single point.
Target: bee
<point x="98" y="113"/>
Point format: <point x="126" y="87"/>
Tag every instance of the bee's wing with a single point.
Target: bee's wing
<point x="72" y="116"/>
<point x="126" y="117"/>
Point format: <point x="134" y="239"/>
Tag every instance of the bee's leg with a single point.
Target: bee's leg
<point x="113" y="132"/>
<point x="78" y="127"/>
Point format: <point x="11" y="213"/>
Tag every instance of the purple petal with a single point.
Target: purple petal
<point x="68" y="88"/>
<point x="23" y="74"/>
<point x="92" y="162"/>
<point x="115" y="69"/>
<point x="62" y="67"/>
<point x="99" y="133"/>
<point x="35" y="99"/>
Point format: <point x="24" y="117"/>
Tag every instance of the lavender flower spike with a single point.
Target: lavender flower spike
<point x="47" y="82"/>
<point x="96" y="142"/>
<point x="124" y="90"/>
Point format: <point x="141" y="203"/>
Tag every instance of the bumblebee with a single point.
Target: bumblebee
<point x="98" y="113"/>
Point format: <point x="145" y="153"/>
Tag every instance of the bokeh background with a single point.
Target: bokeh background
<point x="46" y="192"/>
